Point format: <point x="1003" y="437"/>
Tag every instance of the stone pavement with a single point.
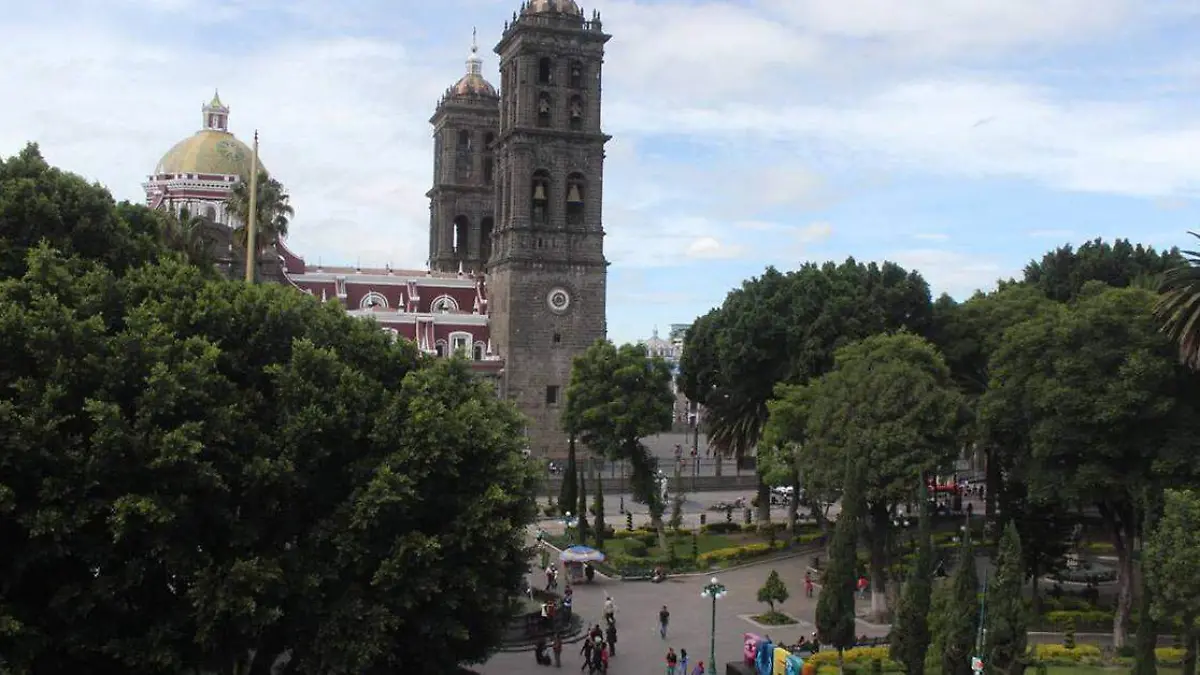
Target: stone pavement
<point x="639" y="649"/>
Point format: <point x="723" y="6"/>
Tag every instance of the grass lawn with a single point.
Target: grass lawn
<point x="683" y="544"/>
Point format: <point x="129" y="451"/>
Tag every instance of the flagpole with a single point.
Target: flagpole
<point x="251" y="217"/>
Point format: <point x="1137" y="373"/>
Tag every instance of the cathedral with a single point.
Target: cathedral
<point x="516" y="275"/>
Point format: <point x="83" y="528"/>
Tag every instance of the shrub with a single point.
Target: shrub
<point x="861" y="657"/>
<point x="721" y="528"/>
<point x="636" y="548"/>
<point x="733" y="554"/>
<point x="1169" y="656"/>
<point x="1086" y="576"/>
<point x="1064" y="619"/>
<point x="1062" y="655"/>
<point x="810" y="538"/>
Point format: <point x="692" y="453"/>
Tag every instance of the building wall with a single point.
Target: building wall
<point x="558" y="255"/>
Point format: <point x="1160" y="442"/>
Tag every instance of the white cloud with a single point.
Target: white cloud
<point x="711" y="248"/>
<point x="959" y="274"/>
<point x="756" y="88"/>
<point x="814" y="233"/>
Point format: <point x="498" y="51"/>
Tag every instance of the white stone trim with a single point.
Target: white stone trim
<point x="395" y="316"/>
<point x="385" y="280"/>
<point x="380" y="301"/>
<point x="444" y="298"/>
<point x="468" y="342"/>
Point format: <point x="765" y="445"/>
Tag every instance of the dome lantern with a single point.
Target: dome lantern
<point x="473" y="83"/>
<point x="216" y="114"/>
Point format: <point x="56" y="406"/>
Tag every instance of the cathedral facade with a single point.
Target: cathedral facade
<point x="516" y="279"/>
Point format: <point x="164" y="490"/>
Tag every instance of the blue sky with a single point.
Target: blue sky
<point x="958" y="137"/>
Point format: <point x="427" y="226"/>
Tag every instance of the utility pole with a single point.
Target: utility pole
<point x="252" y="216"/>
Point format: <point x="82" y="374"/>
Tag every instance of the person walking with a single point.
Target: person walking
<point x="611" y="635"/>
<point x="586" y="651"/>
<point x="683" y="661"/>
<point x="672" y="661"/>
<point x="610" y="610"/>
<point x="699" y="669"/>
<point x="557" y="649"/>
<point x="808" y="585"/>
<point x="664" y="618"/>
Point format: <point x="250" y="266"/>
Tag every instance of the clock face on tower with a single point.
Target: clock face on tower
<point x="558" y="300"/>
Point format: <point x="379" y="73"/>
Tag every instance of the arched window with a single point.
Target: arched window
<point x="210" y="212"/>
<point x="464" y="140"/>
<point x="544" y="109"/>
<point x="485" y="237"/>
<point x="373" y="300"/>
<point x="462" y="227"/>
<point x="477" y="352"/>
<point x="545" y="70"/>
<point x="489" y="159"/>
<point x="576" y="77"/>
<point x="540" y="197"/>
<point x="575" y="113"/>
<point x="576" y="194"/>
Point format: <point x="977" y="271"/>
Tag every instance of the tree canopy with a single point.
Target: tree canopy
<point x="618" y="396"/>
<point x="1091" y="397"/>
<point x="195" y="471"/>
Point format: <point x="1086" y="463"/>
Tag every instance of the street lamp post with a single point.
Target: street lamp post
<point x="714" y="590"/>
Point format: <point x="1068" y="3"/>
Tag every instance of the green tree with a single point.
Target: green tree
<point x="778" y="453"/>
<point x="1063" y="273"/>
<point x="184" y="232"/>
<point x="1091" y="396"/>
<point x="889" y="402"/>
<point x="1005" y="624"/>
<point x="582" y="509"/>
<point x="618" y="396"/>
<point x="568" y="494"/>
<point x="1169" y="564"/>
<point x="785" y="328"/>
<point x="237" y="473"/>
<point x="961" y="623"/>
<point x="40" y="203"/>
<point x="911" y="634"/>
<point x="835" y="615"/>
<point x="598" y="510"/>
<point x="273" y="208"/>
<point x="773" y="591"/>
<point x="1179" y="309"/>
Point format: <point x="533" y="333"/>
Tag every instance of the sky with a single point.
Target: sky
<point x="961" y="138"/>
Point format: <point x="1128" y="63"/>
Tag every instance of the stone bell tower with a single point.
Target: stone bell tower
<point x="547" y="273"/>
<point x="463" y="198"/>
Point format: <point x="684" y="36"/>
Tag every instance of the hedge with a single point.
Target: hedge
<point x="721" y="528"/>
<point x="1052" y="654"/>
<point x="734" y="553"/>
<point x="854" y="656"/>
<point x="1090" y="617"/>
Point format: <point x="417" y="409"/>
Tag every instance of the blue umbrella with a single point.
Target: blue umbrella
<point x="581" y="554"/>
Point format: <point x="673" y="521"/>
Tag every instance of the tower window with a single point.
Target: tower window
<point x="545" y="105"/>
<point x="545" y="70"/>
<point x="576" y="79"/>
<point x="552" y="395"/>
<point x="489" y="141"/>
<point x="540" y="198"/>
<point x="478" y="353"/>
<point x="576" y="113"/>
<point x="464" y="140"/>
<point x="575" y="199"/>
<point x="486" y="226"/>
<point x="489" y="170"/>
<point x="462" y="228"/>
<point x="557" y="338"/>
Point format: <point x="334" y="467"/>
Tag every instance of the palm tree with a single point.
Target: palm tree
<point x="1179" y="307"/>
<point x="184" y="232"/>
<point x="274" y="211"/>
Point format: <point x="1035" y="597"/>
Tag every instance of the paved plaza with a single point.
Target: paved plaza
<point x="639" y="649"/>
